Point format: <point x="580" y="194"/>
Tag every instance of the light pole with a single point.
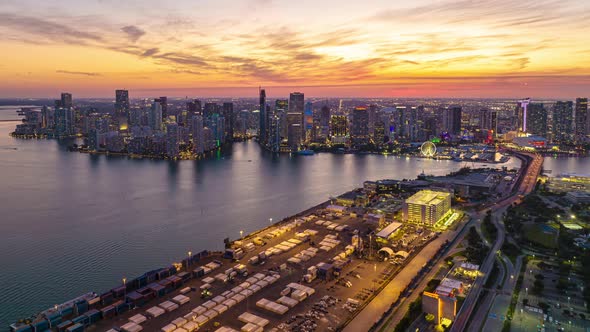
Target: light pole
<point x="124" y="287"/>
<point x="241" y="234"/>
<point x="270" y="220"/>
<point x="188" y="261"/>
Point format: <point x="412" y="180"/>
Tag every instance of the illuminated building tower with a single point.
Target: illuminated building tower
<point x="274" y="128"/>
<point x="308" y="119"/>
<point x="582" y="120"/>
<point x="494" y="123"/>
<point x="373" y="113"/>
<point x="262" y="135"/>
<point x="563" y="113"/>
<point x="198" y="134"/>
<point x="339" y="126"/>
<point x="64" y="122"/>
<point x="537" y="119"/>
<point x="228" y="115"/>
<point x="453" y="120"/>
<point x="324" y="122"/>
<point x="359" y="133"/>
<point x="281" y="110"/>
<point x="484" y="119"/>
<point x="172" y="140"/>
<point x="521" y="115"/>
<point x="379" y="133"/>
<point x="122" y="103"/>
<point x="163" y="101"/>
<point x="155" y="116"/>
<point x="296" y="101"/>
<point x="209" y="110"/>
<point x="400" y="121"/>
<point x="294" y="129"/>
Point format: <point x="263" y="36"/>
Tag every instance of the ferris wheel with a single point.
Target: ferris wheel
<point x="428" y="149"/>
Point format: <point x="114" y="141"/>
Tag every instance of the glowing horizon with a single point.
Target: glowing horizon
<point x="375" y="48"/>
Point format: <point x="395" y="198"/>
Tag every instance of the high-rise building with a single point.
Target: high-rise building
<point x="537" y="119"/>
<point x="281" y="110"/>
<point x="308" y="119"/>
<point x="427" y="207"/>
<point x="193" y="107"/>
<point x="484" y="119"/>
<point x="339" y="126"/>
<point x="373" y="113"/>
<point x="172" y="140"/>
<point x="228" y="115"/>
<point x="198" y="134"/>
<point x="296" y="105"/>
<point x="522" y="115"/>
<point x="122" y="102"/>
<point x="294" y="128"/>
<point x="64" y="122"/>
<point x="582" y="120"/>
<point x="379" y="133"/>
<point x="155" y="116"/>
<point x="274" y="126"/>
<point x="209" y="110"/>
<point x="163" y="101"/>
<point x="324" y="131"/>
<point x="494" y="123"/>
<point x="359" y="133"/>
<point x="262" y="135"/>
<point x="453" y="120"/>
<point x="65" y="101"/>
<point x="563" y="118"/>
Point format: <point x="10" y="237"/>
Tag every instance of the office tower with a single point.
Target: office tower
<point x="582" y="120"/>
<point x="65" y="101"/>
<point x="412" y="124"/>
<point x="379" y="133"/>
<point x="359" y="133"/>
<point x="400" y="121"/>
<point x="563" y="112"/>
<point x="339" y="126"/>
<point x="431" y="127"/>
<point x="484" y="119"/>
<point x="324" y="122"/>
<point x="198" y="134"/>
<point x="373" y="110"/>
<point x="281" y="110"/>
<point x="296" y="106"/>
<point x="155" y="116"/>
<point x="537" y="119"/>
<point x="294" y="128"/>
<point x="494" y="123"/>
<point x="209" y="110"/>
<point x="64" y="121"/>
<point x="274" y="127"/>
<point x="228" y="115"/>
<point x="193" y="107"/>
<point x="164" y="106"/>
<point x="122" y="102"/>
<point x="172" y="140"/>
<point x="308" y="119"/>
<point x="453" y="120"/>
<point x="522" y="115"/>
<point x="419" y="117"/>
<point x="216" y="123"/>
<point x="262" y="135"/>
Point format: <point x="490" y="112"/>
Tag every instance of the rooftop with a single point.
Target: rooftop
<point x="428" y="197"/>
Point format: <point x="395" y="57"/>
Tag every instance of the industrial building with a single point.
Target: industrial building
<point x="427" y="207"/>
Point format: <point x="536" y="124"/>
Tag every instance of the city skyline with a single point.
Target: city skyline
<point x="460" y="49"/>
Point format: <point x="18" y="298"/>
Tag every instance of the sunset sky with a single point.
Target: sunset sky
<point x="381" y="48"/>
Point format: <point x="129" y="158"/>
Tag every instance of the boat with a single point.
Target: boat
<point x="305" y="152"/>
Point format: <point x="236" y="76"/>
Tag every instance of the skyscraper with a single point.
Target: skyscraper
<point x="193" y="106"/>
<point x="324" y="122"/>
<point x="308" y="119"/>
<point x="172" y="140"/>
<point x="122" y="102"/>
<point x="537" y="119"/>
<point x="453" y="120"/>
<point x="494" y="123"/>
<point x="582" y="120"/>
<point x="155" y="116"/>
<point x="198" y="134"/>
<point x="484" y="119"/>
<point x="65" y="101"/>
<point x="563" y="113"/>
<point x="228" y="115"/>
<point x="296" y="105"/>
<point x="521" y="114"/>
<point x="339" y="126"/>
<point x="359" y="133"/>
<point x="262" y="135"/>
<point x="163" y="101"/>
<point x="294" y="129"/>
<point x="281" y="110"/>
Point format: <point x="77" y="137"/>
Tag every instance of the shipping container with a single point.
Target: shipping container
<point x="81" y="320"/>
<point x="157" y="289"/>
<point x="40" y="326"/>
<point x="93" y="316"/>
<point x="184" y="276"/>
<point x="75" y="328"/>
<point x="198" y="272"/>
<point x="64" y="325"/>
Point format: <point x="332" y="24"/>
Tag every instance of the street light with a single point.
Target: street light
<point x="124" y="287"/>
<point x="188" y="261"/>
<point x="241" y="234"/>
<point x="270" y="220"/>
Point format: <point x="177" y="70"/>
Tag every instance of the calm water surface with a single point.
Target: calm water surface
<point x="72" y="223"/>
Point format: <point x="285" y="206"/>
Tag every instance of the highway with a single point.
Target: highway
<point x="526" y="183"/>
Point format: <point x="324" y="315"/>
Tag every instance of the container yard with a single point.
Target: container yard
<point x="306" y="273"/>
